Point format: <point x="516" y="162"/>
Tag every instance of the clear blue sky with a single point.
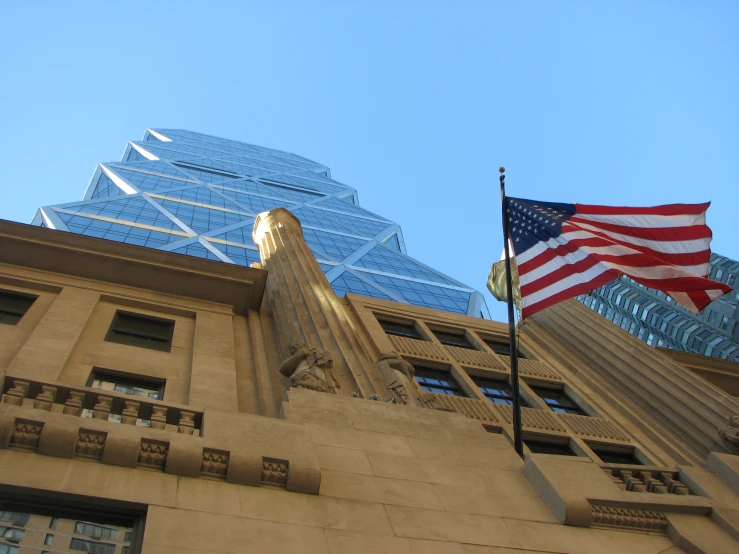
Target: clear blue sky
<point x="415" y="104"/>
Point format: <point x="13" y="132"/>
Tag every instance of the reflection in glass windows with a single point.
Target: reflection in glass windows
<point x="399" y="329"/>
<point x="453" y="338"/>
<point x="438" y="381"/>
<point x="142" y="331"/>
<point x="127" y="385"/>
<point x="496" y="390"/>
<point x="558" y="401"/>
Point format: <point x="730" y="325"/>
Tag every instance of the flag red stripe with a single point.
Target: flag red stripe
<point x="571" y="292"/>
<point x="667" y="209"/>
<point x="666" y="234"/>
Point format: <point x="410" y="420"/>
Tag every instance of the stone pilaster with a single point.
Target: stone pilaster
<point x="305" y="307"/>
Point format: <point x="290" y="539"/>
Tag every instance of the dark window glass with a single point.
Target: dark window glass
<point x="101" y="380"/>
<point x="95" y="531"/>
<point x="92" y="546"/>
<point x="502" y="347"/>
<point x="558" y="401"/>
<point x="438" y="381"/>
<point x="496" y="391"/>
<point x="15" y="517"/>
<point x="538" y="447"/>
<point x="608" y="457"/>
<point x="142" y="331"/>
<point x="400" y="329"/>
<point x="12" y="534"/>
<point x="453" y="339"/>
<point x="14" y="305"/>
<point x="8" y="549"/>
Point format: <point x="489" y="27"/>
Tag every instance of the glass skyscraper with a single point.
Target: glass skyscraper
<point x="195" y="194"/>
<point x="655" y="318"/>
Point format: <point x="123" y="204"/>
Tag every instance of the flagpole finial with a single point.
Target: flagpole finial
<point x="501" y="169"/>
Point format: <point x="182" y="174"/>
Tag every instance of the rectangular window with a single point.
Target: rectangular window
<point x="49" y="540"/>
<point x="542" y="447"/>
<point x="134" y="386"/>
<point x="52" y="522"/>
<point x="451" y="338"/>
<point x="15" y="517"/>
<point x="407" y="330"/>
<point x="12" y="534"/>
<point x="438" y="381"/>
<point x="14" y="305"/>
<point x="558" y="401"/>
<point x="142" y="331"/>
<point x="608" y="456"/>
<point x="502" y="347"/>
<point x="92" y="546"/>
<point x="7" y="549"/>
<point x="496" y="390"/>
<point x="96" y="531"/>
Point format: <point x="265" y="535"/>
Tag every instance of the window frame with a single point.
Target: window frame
<point x="413" y="333"/>
<point x="7" y="314"/>
<point x="507" y="388"/>
<point x="99" y="511"/>
<point x="452" y="384"/>
<point x="568" y="407"/>
<point x="456" y="338"/>
<point x="127" y="378"/>
<point x="111" y="335"/>
<point x="542" y="443"/>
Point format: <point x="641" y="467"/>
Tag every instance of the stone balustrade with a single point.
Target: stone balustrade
<point x="104" y="405"/>
<point x="646" y="479"/>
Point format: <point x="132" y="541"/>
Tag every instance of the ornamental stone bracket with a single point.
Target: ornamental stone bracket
<point x="690" y="505"/>
<point x="238" y="448"/>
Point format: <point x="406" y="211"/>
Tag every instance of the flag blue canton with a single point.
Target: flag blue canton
<point x="531" y="222"/>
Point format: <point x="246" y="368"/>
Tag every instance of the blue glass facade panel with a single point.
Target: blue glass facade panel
<point x="214" y="188"/>
<point x="106" y="188"/>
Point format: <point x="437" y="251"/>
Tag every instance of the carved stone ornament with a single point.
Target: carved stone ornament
<point x="730" y="433"/>
<point x="309" y="368"/>
<point x="431" y="402"/>
<point x="606" y="516"/>
<point x="399" y="377"/>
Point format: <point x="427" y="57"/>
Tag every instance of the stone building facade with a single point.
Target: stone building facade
<point x="160" y="403"/>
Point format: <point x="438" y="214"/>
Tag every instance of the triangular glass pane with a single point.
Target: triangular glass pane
<point x="393" y="243"/>
<point x="346" y="282"/>
<point x="203" y="195"/>
<point x="148" y="182"/>
<point x="197" y="249"/>
<point x="336" y="246"/>
<point x="115" y="231"/>
<point x="356" y="225"/>
<point x="230" y="169"/>
<point x="421" y="294"/>
<point x="134" y="156"/>
<point x="152" y="138"/>
<point x="240" y="256"/>
<point x="256" y="204"/>
<point x="304" y="183"/>
<point x="383" y="259"/>
<point x="201" y="219"/>
<point x="242" y="234"/>
<point x="134" y="209"/>
<point x="105" y="188"/>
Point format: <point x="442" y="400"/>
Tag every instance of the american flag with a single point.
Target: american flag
<point x="563" y="250"/>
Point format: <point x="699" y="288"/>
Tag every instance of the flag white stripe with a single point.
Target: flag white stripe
<point x="645" y="221"/>
<point x="664" y="246"/>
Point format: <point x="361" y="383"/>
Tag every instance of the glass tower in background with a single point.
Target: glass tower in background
<point x="655" y="318"/>
<point x="198" y="195"/>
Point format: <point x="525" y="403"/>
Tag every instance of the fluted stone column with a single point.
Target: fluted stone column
<point x="304" y="305"/>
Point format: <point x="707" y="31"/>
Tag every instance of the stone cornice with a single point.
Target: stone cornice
<point x="134" y="266"/>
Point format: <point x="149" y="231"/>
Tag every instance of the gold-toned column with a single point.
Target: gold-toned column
<point x="331" y="358"/>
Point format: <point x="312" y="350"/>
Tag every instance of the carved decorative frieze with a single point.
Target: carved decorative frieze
<point x="730" y="433"/>
<point x="433" y="401"/>
<point x="309" y="368"/>
<point x="609" y="516"/>
<point x="470" y="407"/>
<point x="90" y="444"/>
<point x="533" y="368"/>
<point x="398" y="375"/>
<point x="417" y="348"/>
<point x="587" y="426"/>
<point x="658" y="481"/>
<point x="274" y="472"/>
<point x="477" y="358"/>
<point x="153" y="454"/>
<point x="26" y="434"/>
<point x="214" y="464"/>
<point x="532" y="418"/>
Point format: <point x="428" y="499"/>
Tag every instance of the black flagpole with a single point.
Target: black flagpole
<point x="517" y="438"/>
